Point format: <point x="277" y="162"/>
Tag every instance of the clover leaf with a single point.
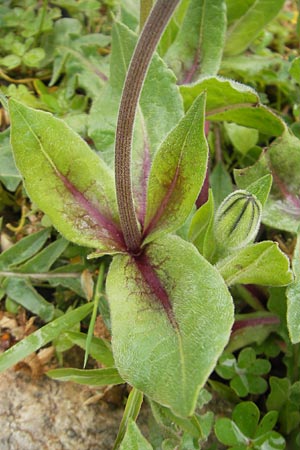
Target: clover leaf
<point x="245" y="431"/>
<point x="245" y="372"/>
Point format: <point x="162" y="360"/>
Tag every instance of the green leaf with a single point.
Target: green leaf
<point x="228" y="433"/>
<point x="90" y="377"/>
<point x="34" y="57"/>
<point x="282" y="161"/>
<point x="134" y="440"/>
<point x="260" y="188"/>
<point x="159" y="322"/>
<point x="230" y="101"/>
<point x="271" y="440"/>
<point x="177" y="174"/>
<point x="279" y="394"/>
<point x="246" y="416"/>
<point x="77" y="56"/>
<point x="9" y="174"/>
<point x="220" y="182"/>
<point x="246" y="357"/>
<point x="267" y="423"/>
<point x="237" y="8"/>
<point x="226" y="367"/>
<point x="244" y="30"/>
<point x="194" y="52"/>
<point x="43" y="261"/>
<point x="261" y="263"/>
<point x="293" y="298"/>
<point x="42" y="336"/>
<point x="245" y="372"/>
<point x="242" y="138"/>
<point x="100" y="349"/>
<point x="248" y="384"/>
<point x="65" y="178"/>
<point x="251" y="65"/>
<point x="131" y="412"/>
<point x="23" y="249"/>
<point x="201" y="229"/>
<point x="240" y="385"/>
<point x="295" y="69"/>
<point x="22" y="292"/>
<point x="167" y="419"/>
<point x="11" y="61"/>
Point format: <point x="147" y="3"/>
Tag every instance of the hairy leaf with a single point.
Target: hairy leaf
<point x="237" y="8"/>
<point x="168" y="305"/>
<point x="261" y="188"/>
<point x="261" y="263"/>
<point x="282" y="161"/>
<point x="194" y="52"/>
<point x="245" y="29"/>
<point x="65" y="178"/>
<point x="177" y="174"/>
<point x="134" y="440"/>
<point x="230" y="101"/>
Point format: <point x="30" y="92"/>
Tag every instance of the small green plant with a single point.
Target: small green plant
<point x="245" y="372"/>
<point x="245" y="431"/>
<point x="173" y="253"/>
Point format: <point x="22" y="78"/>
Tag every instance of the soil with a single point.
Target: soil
<point x="44" y="414"/>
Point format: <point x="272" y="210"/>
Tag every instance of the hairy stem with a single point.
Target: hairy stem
<point x="136" y="74"/>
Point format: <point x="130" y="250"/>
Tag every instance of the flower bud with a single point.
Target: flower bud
<point x="237" y="220"/>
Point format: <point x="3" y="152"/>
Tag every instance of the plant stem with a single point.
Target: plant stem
<point x="145" y="8"/>
<point x="136" y="74"/>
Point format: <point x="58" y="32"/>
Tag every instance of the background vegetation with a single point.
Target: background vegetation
<point x="56" y="56"/>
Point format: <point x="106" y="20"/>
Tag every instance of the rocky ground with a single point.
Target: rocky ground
<point x="44" y="414"/>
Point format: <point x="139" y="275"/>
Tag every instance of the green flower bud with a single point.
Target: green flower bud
<point x="237" y="220"/>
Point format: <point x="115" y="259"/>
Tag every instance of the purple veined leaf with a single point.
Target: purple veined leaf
<point x="177" y="174"/>
<point x="66" y="179"/>
<point x="171" y="318"/>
